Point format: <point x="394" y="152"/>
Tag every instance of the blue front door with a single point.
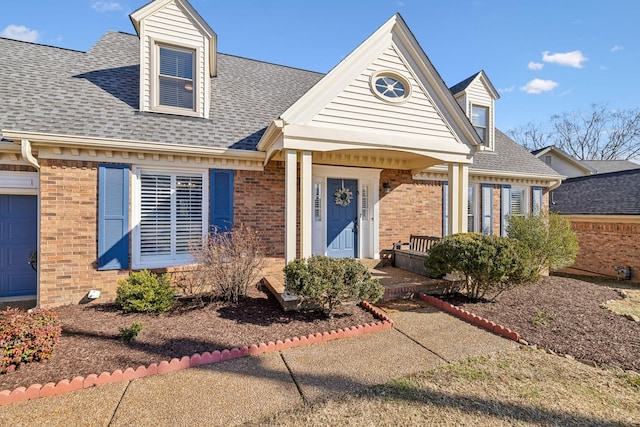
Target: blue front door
<point x="18" y="237"/>
<point x="342" y="218"/>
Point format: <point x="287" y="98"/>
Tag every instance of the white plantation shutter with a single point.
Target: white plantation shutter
<point x="487" y="209"/>
<point x="188" y="213"/>
<point x="171" y="215"/>
<point x="155" y="218"/>
<point x="517" y="202"/>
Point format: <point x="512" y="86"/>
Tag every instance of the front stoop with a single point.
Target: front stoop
<point x="275" y="285"/>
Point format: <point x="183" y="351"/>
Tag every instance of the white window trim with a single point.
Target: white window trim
<point x="136" y="202"/>
<point x="487" y="143"/>
<point x="154" y="79"/>
<point x="475" y="205"/>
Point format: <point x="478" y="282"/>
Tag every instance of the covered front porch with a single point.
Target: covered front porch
<point x="398" y="284"/>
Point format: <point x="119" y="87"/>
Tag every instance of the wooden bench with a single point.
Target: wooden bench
<point x="411" y="256"/>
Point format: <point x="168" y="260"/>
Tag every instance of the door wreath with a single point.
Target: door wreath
<point x="343" y="196"/>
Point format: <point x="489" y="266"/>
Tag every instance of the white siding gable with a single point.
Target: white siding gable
<point x="172" y="26"/>
<point x="357" y="108"/>
<point x="478" y="94"/>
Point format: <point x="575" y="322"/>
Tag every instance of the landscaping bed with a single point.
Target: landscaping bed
<point x="90" y="342"/>
<point x="565" y="315"/>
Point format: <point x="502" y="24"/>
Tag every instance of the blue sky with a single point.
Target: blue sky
<point x="543" y="56"/>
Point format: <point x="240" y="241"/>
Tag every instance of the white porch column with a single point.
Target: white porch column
<point x="458" y="195"/>
<point x="306" y="190"/>
<point x="290" y="178"/>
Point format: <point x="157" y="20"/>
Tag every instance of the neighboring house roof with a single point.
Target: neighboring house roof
<point x="552" y="149"/>
<point x="510" y="156"/>
<point x="95" y="94"/>
<point x="615" y="193"/>
<point x="606" y="166"/>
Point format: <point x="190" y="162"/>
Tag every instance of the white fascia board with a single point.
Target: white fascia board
<point x="487" y="83"/>
<point x="43" y="139"/>
<point x="330" y="139"/>
<point x="551" y="179"/>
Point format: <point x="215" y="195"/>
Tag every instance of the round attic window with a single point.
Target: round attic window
<point x="390" y="87"/>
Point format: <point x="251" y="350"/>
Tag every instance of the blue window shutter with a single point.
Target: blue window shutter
<point x="536" y="206"/>
<point x="487" y="209"/>
<point x="113" y="217"/>
<point x="445" y="208"/>
<point x="220" y="200"/>
<point x="505" y="208"/>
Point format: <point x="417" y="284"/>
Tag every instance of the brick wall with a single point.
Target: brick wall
<point x="412" y="207"/>
<point x="68" y="234"/>
<point x="259" y="204"/>
<point x="604" y="245"/>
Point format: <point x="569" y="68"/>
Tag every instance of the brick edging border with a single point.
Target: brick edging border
<point x="35" y="391"/>
<point x="470" y="317"/>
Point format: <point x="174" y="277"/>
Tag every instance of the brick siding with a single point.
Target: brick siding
<point x="604" y="245"/>
<point x="68" y="234"/>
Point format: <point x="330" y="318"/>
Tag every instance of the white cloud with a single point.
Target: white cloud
<point x="616" y="48"/>
<point x="537" y="86"/>
<point x="106" y="6"/>
<point x="568" y="59"/>
<point x="20" y="32"/>
<point x="507" y="89"/>
<point x="535" y="65"/>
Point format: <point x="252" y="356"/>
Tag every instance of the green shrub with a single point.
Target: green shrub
<point x="145" y="292"/>
<point x="491" y="264"/>
<point x="327" y="282"/>
<point x="549" y="236"/>
<point x="26" y="337"/>
<point x="131" y="333"/>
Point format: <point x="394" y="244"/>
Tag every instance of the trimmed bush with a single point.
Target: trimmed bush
<point x="26" y="337"/>
<point x="549" y="236"/>
<point x="491" y="264"/>
<point x="145" y="292"/>
<point x="327" y="282"/>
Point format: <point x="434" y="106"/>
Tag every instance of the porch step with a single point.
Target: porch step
<point x="409" y="290"/>
<point x="275" y="285"/>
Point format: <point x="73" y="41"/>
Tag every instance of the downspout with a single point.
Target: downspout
<point x="27" y="155"/>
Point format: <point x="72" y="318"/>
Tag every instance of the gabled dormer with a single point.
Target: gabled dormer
<point x="177" y="58"/>
<point x="476" y="95"/>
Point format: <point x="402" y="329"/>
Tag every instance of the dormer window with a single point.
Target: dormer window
<point x="480" y="121"/>
<point x="176" y="78"/>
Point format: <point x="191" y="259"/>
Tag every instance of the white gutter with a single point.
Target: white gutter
<point x="27" y="155"/>
<point x="125" y="145"/>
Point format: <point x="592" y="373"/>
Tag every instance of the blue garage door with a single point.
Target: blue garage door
<point x="18" y="237"/>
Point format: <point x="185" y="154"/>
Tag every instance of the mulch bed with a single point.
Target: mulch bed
<point x="90" y="343"/>
<point x="564" y="315"/>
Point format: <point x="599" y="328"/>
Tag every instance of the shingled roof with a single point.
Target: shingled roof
<point x="95" y="94"/>
<point x="616" y="193"/>
<point x="511" y="157"/>
<point x="606" y="166"/>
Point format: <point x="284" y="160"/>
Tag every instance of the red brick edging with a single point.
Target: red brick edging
<point x="35" y="391"/>
<point x="470" y="317"/>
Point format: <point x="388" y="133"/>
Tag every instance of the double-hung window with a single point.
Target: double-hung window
<point x="176" y="77"/>
<point x="480" y="121"/>
<point x="172" y="217"/>
<point x="471" y="207"/>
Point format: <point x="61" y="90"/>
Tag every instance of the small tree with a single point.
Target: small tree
<point x="327" y="282"/>
<point x="491" y="264"/>
<point x="228" y="262"/>
<point x="549" y="236"/>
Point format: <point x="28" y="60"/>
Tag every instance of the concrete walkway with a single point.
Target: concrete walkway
<point x="241" y="390"/>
